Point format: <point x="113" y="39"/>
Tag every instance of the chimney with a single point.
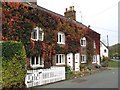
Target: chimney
<point x="71" y="13"/>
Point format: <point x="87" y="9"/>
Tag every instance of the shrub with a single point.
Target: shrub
<point x="105" y="62"/>
<point x="68" y="72"/>
<point x="13" y="65"/>
<point x="82" y="66"/>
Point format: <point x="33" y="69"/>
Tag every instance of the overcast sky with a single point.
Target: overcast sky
<point x="101" y="15"/>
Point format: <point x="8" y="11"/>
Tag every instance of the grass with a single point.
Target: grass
<point x="114" y="64"/>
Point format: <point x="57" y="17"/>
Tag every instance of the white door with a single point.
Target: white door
<point x="77" y="61"/>
<point x="70" y="60"/>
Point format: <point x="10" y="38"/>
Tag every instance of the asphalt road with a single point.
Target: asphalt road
<point x="104" y="79"/>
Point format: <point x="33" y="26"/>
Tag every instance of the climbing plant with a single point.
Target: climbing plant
<point x="19" y="19"/>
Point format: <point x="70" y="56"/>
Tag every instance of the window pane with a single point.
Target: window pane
<point x="40" y="35"/>
<point x="63" y="38"/>
<point x="60" y="38"/>
<point x="34" y="34"/>
<point x="105" y="50"/>
<point x="60" y="58"/>
<point x="81" y="42"/>
<point x="37" y="61"/>
<point x="41" y="60"/>
<point x="56" y="58"/>
<point x="32" y="60"/>
<point x="63" y="58"/>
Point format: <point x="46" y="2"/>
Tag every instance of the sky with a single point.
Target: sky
<point x="101" y="15"/>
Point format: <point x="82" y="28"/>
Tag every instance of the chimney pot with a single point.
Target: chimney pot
<point x="66" y="9"/>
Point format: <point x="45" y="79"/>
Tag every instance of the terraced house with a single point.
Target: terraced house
<point x="52" y="41"/>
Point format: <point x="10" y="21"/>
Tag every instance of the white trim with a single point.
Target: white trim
<point x="94" y="45"/>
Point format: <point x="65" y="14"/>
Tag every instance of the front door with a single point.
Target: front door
<point x="77" y="61"/>
<point x="70" y="60"/>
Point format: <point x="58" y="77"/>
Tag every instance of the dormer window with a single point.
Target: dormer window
<point x="37" y="34"/>
<point x="83" y="42"/>
<point x="61" y="38"/>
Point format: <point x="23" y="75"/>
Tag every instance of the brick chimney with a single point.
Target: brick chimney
<point x="71" y="13"/>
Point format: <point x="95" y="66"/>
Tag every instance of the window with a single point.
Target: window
<point x="105" y="50"/>
<point x="61" y="38"/>
<point x="83" y="41"/>
<point x="36" y="61"/>
<point x="83" y="59"/>
<point x="37" y="34"/>
<point x="94" y="45"/>
<point x="60" y="59"/>
<point x="94" y="59"/>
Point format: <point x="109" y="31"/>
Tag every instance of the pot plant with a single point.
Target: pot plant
<point x="82" y="68"/>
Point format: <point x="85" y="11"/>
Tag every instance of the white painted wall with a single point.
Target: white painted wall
<point x="102" y="50"/>
<point x="98" y="59"/>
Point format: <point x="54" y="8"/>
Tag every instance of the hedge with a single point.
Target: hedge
<point x="13" y="65"/>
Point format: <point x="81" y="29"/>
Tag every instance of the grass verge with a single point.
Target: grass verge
<point x="114" y="64"/>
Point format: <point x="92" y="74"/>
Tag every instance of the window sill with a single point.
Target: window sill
<point x="83" y="62"/>
<point x="36" y="66"/>
<point x="60" y="63"/>
<point x="36" y="39"/>
<point x="94" y="62"/>
<point x="83" y="45"/>
<point x="60" y="43"/>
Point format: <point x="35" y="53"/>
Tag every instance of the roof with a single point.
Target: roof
<point x="59" y="15"/>
<point x="104" y="44"/>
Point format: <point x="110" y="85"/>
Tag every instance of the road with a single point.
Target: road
<point x="104" y="79"/>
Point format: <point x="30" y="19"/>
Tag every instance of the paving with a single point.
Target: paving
<point x="104" y="79"/>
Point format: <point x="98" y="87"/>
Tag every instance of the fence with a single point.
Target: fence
<point x="44" y="76"/>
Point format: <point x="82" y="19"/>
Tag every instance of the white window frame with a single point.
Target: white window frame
<point x="94" y="45"/>
<point x="62" y="61"/>
<point x="40" y="62"/>
<point x="38" y="36"/>
<point x="61" y="38"/>
<point x="94" y="59"/>
<point x="83" y="42"/>
<point x="83" y="59"/>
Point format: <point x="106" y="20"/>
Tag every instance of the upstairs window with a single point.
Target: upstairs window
<point x="94" y="45"/>
<point x="37" y="34"/>
<point x="61" y="38"/>
<point x="83" y="42"/>
<point x="83" y="59"/>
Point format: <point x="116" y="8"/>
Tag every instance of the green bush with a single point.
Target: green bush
<point x="13" y="65"/>
<point x="82" y="66"/>
<point x="105" y="62"/>
<point x="69" y="74"/>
